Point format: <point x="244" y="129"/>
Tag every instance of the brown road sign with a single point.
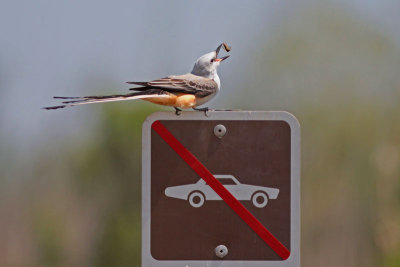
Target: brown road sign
<point x="222" y="188"/>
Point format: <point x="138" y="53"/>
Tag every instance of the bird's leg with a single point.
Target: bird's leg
<point x="206" y="109"/>
<point x="177" y="111"/>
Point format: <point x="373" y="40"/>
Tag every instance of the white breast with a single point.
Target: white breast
<point x="201" y="101"/>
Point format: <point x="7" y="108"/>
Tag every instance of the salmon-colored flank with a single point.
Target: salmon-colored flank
<point x="179" y="100"/>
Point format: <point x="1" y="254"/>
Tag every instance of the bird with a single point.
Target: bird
<point x="179" y="91"/>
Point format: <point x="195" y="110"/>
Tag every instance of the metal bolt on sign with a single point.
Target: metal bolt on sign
<point x="221" y="251"/>
<point x="220" y="131"/>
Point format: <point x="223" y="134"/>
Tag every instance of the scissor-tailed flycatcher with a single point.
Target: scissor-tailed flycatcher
<point x="179" y="91"/>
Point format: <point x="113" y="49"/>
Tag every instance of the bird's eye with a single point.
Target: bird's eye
<point x="212" y="60"/>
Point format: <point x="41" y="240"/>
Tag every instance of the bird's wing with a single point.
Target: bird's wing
<point x="187" y="83"/>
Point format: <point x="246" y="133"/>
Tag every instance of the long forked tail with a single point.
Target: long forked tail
<point x="74" y="101"/>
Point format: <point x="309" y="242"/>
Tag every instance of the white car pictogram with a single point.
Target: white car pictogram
<point x="197" y="193"/>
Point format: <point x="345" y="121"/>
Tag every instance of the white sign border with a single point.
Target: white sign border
<point x="294" y="258"/>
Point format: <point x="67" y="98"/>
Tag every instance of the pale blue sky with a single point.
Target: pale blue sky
<point x="92" y="47"/>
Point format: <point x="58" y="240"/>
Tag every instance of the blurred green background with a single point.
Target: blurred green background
<point x="70" y="180"/>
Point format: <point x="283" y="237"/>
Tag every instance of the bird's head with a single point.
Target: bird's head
<point x="207" y="64"/>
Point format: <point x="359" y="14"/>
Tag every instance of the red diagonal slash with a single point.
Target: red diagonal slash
<point x="237" y="207"/>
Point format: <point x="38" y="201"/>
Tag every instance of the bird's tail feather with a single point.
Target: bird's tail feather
<point x="101" y="99"/>
<point x="139" y="83"/>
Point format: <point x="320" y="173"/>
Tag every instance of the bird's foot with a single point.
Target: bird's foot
<point x="206" y="109"/>
<point x="178" y="111"/>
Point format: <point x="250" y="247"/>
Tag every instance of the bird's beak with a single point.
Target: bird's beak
<point x="217" y="50"/>
<point x="216" y="54"/>
<point x="221" y="59"/>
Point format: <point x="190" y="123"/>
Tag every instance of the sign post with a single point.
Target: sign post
<point x="221" y="190"/>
